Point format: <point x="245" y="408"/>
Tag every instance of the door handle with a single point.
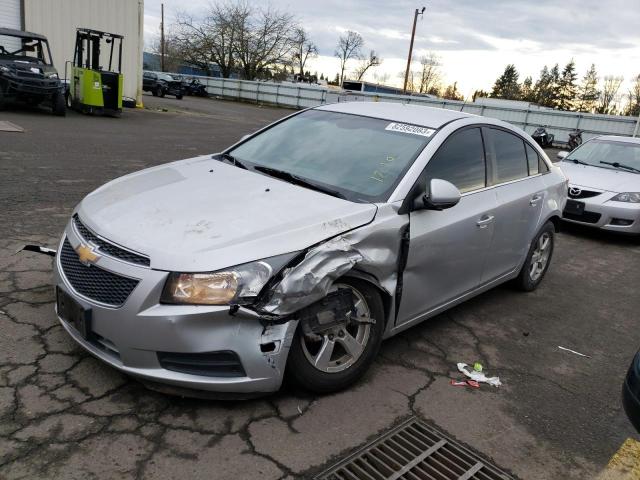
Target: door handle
<point x="485" y="221"/>
<point x="534" y="200"/>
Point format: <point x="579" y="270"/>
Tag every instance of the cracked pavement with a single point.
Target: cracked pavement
<point x="64" y="414"/>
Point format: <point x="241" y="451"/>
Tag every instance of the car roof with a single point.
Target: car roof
<point x="618" y="138"/>
<point x="20" y="33"/>
<point x="398" y="112"/>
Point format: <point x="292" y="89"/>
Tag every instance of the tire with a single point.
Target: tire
<point x="179" y="97"/>
<point x="59" y="105"/>
<point x="160" y="92"/>
<point x="154" y="92"/>
<point x="300" y="369"/>
<point x="68" y="100"/>
<point x="529" y="277"/>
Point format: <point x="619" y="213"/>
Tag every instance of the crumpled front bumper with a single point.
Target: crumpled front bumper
<point x="130" y="337"/>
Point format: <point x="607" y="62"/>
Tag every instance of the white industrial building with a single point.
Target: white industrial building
<point x="58" y="20"/>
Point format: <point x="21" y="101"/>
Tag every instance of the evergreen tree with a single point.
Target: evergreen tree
<point x="479" y="93"/>
<point x="633" y="97"/>
<point x="526" y="90"/>
<point x="567" y="88"/>
<point x="588" y="93"/>
<point x="545" y="91"/>
<point x="506" y="85"/>
<point x="452" y="93"/>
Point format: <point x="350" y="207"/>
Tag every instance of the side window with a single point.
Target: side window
<point x="542" y="166"/>
<point x="511" y="159"/>
<point x="533" y="159"/>
<point x="460" y="161"/>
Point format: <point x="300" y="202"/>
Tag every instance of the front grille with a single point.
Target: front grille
<point x="211" y="364"/>
<point x="583" y="193"/>
<point x="94" y="282"/>
<point x="586" y="217"/>
<point x="414" y="451"/>
<point x="109" y="248"/>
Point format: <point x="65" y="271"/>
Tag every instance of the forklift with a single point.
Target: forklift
<point x="95" y="87"/>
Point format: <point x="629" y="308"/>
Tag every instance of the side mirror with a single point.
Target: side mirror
<point x="562" y="155"/>
<point x="440" y="195"/>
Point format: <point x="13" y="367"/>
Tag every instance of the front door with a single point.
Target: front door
<point x="447" y="248"/>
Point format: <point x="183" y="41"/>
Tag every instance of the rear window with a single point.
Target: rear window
<point x="511" y="159"/>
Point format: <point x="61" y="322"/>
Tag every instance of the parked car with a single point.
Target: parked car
<point x="631" y="393"/>
<point x="27" y="73"/>
<point x="604" y="184"/>
<point x="196" y="88"/>
<point x="161" y="84"/>
<point x="304" y="245"/>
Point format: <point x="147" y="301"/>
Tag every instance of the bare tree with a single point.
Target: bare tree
<point x="211" y="39"/>
<point x="349" y="46"/>
<point x="264" y="41"/>
<point x="381" y="78"/>
<point x="430" y="76"/>
<point x="172" y="54"/>
<point x="303" y="49"/>
<point x="373" y="60"/>
<point x="609" y="95"/>
<point x="633" y="98"/>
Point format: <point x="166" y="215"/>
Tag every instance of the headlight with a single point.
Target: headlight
<point x="234" y="286"/>
<point x="4" y="69"/>
<point x="52" y="75"/>
<point x="629" y="197"/>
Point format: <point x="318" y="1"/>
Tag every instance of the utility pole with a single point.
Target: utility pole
<point x="162" y="37"/>
<point x="413" y="34"/>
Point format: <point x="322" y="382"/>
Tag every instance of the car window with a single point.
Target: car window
<point x="460" y="161"/>
<point x="533" y="159"/>
<point x="511" y="159"/>
<point x="362" y="158"/>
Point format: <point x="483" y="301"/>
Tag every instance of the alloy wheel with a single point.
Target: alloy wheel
<point x="341" y="346"/>
<point x="540" y="256"/>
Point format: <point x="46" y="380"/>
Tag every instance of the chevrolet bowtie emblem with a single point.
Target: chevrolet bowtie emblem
<point x="87" y="254"/>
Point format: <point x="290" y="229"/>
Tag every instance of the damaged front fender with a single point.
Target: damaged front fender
<point x="375" y="249"/>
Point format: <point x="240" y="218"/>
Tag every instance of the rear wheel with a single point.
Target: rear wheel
<point x="538" y="259"/>
<point x="159" y="91"/>
<point x="338" y="357"/>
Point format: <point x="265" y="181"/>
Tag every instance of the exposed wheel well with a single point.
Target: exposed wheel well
<point x="386" y="298"/>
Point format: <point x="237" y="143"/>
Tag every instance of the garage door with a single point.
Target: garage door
<point x="10" y="14"/>
<point x="10" y="18"/>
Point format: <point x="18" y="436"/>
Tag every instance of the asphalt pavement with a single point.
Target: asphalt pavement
<point x="65" y="415"/>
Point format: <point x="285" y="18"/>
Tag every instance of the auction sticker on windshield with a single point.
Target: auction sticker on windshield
<point x="413" y="129"/>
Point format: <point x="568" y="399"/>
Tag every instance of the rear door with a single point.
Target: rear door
<point x="447" y="248"/>
<point x="520" y="193"/>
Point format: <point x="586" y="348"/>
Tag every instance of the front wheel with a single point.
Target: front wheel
<point x="335" y="358"/>
<point x="538" y="259"/>
<point x="59" y="105"/>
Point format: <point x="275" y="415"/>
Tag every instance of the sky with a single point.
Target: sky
<point x="474" y="39"/>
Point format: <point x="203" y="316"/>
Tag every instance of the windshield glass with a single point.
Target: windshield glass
<point x="25" y="49"/>
<point x="361" y="158"/>
<point x="596" y="151"/>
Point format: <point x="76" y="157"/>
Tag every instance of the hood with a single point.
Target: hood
<point x="203" y="215"/>
<point x="611" y="180"/>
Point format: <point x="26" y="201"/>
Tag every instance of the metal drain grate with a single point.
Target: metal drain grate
<point x="414" y="451"/>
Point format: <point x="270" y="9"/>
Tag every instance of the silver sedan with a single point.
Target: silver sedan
<point x="303" y="246"/>
<point x="604" y="184"/>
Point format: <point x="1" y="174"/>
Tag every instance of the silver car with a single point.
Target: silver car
<point x="303" y="246"/>
<point x="604" y="184"/>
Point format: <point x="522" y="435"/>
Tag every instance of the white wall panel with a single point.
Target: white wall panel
<point x="59" y="19"/>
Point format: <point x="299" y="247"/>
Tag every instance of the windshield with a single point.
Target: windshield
<point x="24" y="49"/>
<point x="165" y="76"/>
<point x="361" y="158"/>
<point x="596" y="151"/>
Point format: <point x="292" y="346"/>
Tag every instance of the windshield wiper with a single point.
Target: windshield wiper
<point x="291" y="178"/>
<point x="620" y="165"/>
<point x="233" y="160"/>
<point x="575" y="160"/>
